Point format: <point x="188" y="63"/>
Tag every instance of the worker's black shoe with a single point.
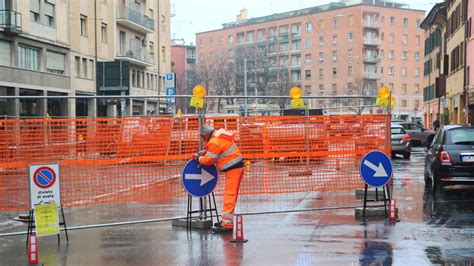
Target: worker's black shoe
<point x="222" y="230"/>
<point x="217" y="224"/>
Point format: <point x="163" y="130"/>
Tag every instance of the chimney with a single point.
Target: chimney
<point x="242" y="15"/>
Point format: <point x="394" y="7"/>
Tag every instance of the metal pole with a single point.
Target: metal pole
<point x="245" y="88"/>
<point x="201" y="207"/>
<point x="307" y="136"/>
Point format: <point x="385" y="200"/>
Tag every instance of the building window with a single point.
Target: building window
<point x="201" y="43"/>
<point x="84" y="68"/>
<point x="404" y="55"/>
<point x="349" y="71"/>
<point x="334" y="89"/>
<point x="211" y="42"/>
<point x="103" y="32"/>
<point x="390" y="71"/>
<point x="83" y="25"/>
<point x="417" y="23"/>
<point x="417" y="38"/>
<point x="321" y="41"/>
<point x="334" y="39"/>
<point x="351" y="20"/>
<point x="382" y="36"/>
<point x="334" y="72"/>
<point x="309" y="27"/>
<point x="48" y="13"/>
<point x="5" y="53"/>
<point x="404" y="88"/>
<point x="349" y="54"/>
<point x="296" y="45"/>
<point x="404" y="103"/>
<point x="392" y="38"/>
<point x="417" y="88"/>
<point x="220" y="41"/>
<point x="417" y="72"/>
<point x="321" y="74"/>
<point x="307" y="59"/>
<point x="405" y="23"/>
<point x="391" y="55"/>
<point x="35" y="10"/>
<point x="321" y="57"/>
<point x="417" y="104"/>
<point x="334" y="23"/>
<point x="404" y="71"/>
<point x="78" y="66"/>
<point x="308" y="43"/>
<point x="417" y="56"/>
<point x="349" y="37"/>
<point x="334" y="56"/>
<point x="307" y="74"/>
<point x="321" y="89"/>
<point x="321" y="24"/>
<point x="55" y="62"/>
<point x="91" y="67"/>
<point x="404" y="39"/>
<point x="392" y="22"/>
<point x="392" y="88"/>
<point x="230" y="39"/>
<point x="28" y="58"/>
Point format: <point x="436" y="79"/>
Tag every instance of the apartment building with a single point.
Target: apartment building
<point x="183" y="64"/>
<point x="470" y="62"/>
<point x="434" y="81"/>
<point x="80" y="48"/>
<point x="331" y="49"/>
<point x="456" y="52"/>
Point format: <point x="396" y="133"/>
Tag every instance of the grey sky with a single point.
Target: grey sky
<point x="202" y="15"/>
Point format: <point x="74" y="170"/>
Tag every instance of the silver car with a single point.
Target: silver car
<point x="400" y="141"/>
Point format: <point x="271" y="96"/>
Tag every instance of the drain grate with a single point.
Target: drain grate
<point x="444" y="234"/>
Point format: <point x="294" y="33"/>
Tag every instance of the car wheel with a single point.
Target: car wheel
<point x="436" y="184"/>
<point x="406" y="155"/>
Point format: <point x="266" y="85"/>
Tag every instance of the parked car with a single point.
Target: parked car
<point x="418" y="134"/>
<point x="450" y="158"/>
<point x="400" y="141"/>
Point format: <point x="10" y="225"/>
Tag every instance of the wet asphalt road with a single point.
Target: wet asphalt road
<point x="432" y="231"/>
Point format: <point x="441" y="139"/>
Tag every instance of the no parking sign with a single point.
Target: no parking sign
<point x="44" y="184"/>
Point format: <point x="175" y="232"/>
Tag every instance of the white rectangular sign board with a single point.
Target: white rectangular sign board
<point x="44" y="184"/>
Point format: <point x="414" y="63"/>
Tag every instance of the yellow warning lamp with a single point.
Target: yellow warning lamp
<point x="384" y="92"/>
<point x="199" y="91"/>
<point x="295" y="93"/>
<point x="179" y="113"/>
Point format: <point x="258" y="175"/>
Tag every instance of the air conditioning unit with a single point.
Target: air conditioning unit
<point x="144" y="42"/>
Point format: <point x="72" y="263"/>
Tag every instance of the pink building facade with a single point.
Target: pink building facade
<point x="183" y="62"/>
<point x="327" y="50"/>
<point x="470" y="61"/>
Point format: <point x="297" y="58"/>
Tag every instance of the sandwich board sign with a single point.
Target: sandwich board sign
<point x="44" y="184"/>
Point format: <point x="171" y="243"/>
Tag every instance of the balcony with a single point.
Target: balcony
<point x="295" y="36"/>
<point x="10" y="21"/>
<point x="371" y="60"/>
<point x="136" y="54"/>
<point x="371" y="42"/>
<point x="191" y="58"/>
<point x="371" y="25"/>
<point x="134" y="19"/>
<point x="371" y="76"/>
<point x="296" y="66"/>
<point x="284" y="39"/>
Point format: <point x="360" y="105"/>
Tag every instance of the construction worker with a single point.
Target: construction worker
<point x="222" y="150"/>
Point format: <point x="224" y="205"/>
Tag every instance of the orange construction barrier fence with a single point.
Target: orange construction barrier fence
<point x="106" y="160"/>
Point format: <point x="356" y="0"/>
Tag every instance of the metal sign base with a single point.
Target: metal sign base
<point x="204" y="212"/>
<point x="386" y="199"/>
<point x="31" y="225"/>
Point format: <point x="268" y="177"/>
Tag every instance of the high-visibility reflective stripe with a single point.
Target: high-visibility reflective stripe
<point x="212" y="155"/>
<point x="227" y="221"/>
<point x="228" y="151"/>
<point x="231" y="163"/>
<point x="227" y="218"/>
<point x="222" y="131"/>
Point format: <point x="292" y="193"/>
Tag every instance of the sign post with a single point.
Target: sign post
<point x="45" y="199"/>
<point x="376" y="170"/>
<point x="200" y="181"/>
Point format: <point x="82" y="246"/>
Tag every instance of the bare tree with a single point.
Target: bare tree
<point x="360" y="87"/>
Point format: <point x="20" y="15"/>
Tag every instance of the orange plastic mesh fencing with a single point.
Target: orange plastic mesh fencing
<point x="113" y="160"/>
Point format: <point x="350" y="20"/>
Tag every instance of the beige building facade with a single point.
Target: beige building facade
<point x="334" y="49"/>
<point x="51" y="47"/>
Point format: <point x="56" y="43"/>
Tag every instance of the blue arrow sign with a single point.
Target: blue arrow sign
<point x="199" y="182"/>
<point x="376" y="169"/>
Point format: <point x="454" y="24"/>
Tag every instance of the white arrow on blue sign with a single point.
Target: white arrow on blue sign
<point x="376" y="169"/>
<point x="199" y="182"/>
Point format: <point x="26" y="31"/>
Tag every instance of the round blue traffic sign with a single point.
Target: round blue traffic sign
<point x="199" y="182"/>
<point x="376" y="169"/>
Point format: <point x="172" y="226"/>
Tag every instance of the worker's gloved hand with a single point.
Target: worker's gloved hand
<point x="196" y="157"/>
<point x="202" y="153"/>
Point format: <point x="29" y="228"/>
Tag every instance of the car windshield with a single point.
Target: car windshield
<point x="460" y="136"/>
<point x="398" y="130"/>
